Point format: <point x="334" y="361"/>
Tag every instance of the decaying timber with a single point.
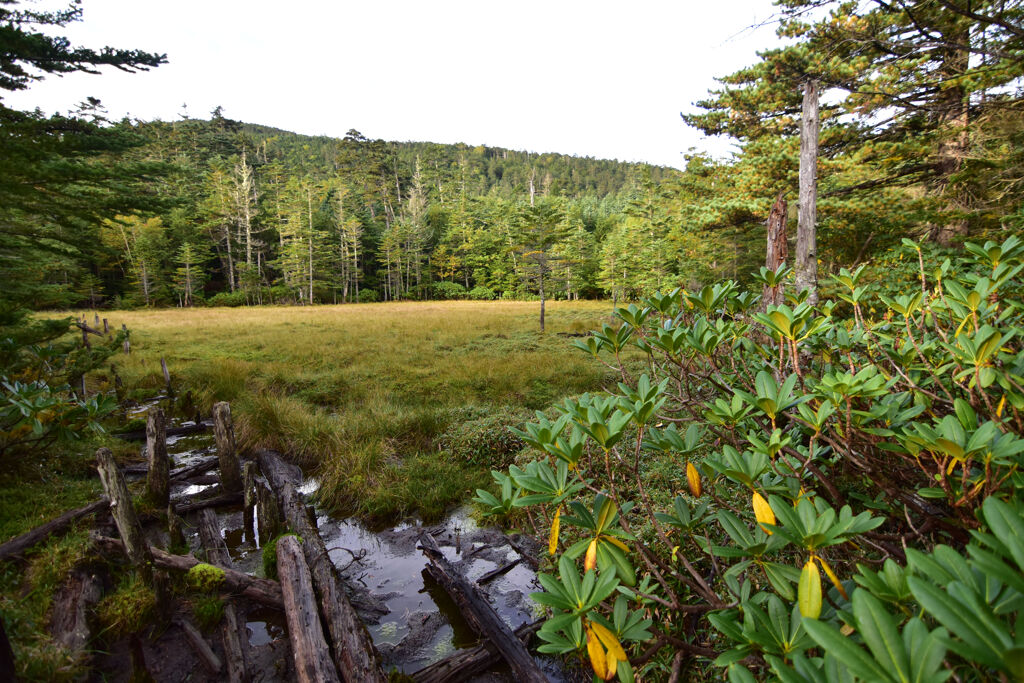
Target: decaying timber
<point x="310" y="653"/>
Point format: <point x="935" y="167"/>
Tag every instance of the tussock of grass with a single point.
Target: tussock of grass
<point x="361" y="394"/>
<point x="127" y="610"/>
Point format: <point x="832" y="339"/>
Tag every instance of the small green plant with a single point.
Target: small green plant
<point x="129" y="609"/>
<point x="208" y="611"/>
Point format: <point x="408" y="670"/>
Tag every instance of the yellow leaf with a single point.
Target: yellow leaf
<point x="609" y="640"/>
<point x="553" y="538"/>
<point x="598" y="659"/>
<point x="605" y="513"/>
<point x="616" y="542"/>
<point x="693" y="477"/>
<point x="590" y="561"/>
<point x="809" y="591"/>
<point x="1002" y="404"/>
<point x="832" y="577"/>
<point x="763" y="511"/>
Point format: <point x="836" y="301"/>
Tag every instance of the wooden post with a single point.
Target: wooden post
<point x="224" y="433"/>
<point x="806" y="265"/>
<point x="480" y="615"/>
<point x="267" y="514"/>
<point x="305" y="632"/>
<point x="351" y="645"/>
<point x="778" y="249"/>
<point x="106" y="327"/>
<point x="249" y="495"/>
<point x="158" y="475"/>
<point x="85" y="337"/>
<point x="217" y="554"/>
<point x="96" y="322"/>
<point x="167" y="377"/>
<point x="175" y="533"/>
<point x="128" y="526"/>
<point x="127" y="342"/>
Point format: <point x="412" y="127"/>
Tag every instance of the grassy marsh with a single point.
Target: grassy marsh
<point x="361" y="395"/>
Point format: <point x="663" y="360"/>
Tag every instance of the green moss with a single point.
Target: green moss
<point x="205" y="578"/>
<point x="208" y="611"/>
<point x="270" y="555"/>
<point x="127" y="610"/>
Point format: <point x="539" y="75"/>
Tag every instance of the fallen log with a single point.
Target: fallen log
<point x="263" y="591"/>
<point x="207" y="503"/>
<point x="184" y="430"/>
<point x="69" y="623"/>
<point x="20" y="544"/>
<point x="495" y="573"/>
<point x="312" y="657"/>
<point x="217" y="554"/>
<point x="211" y="662"/>
<point x="464" y="664"/>
<point x="480" y="615"/>
<point x="352" y="647"/>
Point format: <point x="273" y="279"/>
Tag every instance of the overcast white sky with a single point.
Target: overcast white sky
<point x="600" y="79"/>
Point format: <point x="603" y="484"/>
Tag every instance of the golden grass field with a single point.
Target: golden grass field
<point x="362" y="395"/>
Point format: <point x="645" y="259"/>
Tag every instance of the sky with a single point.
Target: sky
<point x="600" y="79"/>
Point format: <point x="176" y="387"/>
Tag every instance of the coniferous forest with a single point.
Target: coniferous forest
<point x="769" y="426"/>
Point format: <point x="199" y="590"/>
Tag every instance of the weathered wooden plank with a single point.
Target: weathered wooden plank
<point x="351" y="645"/>
<point x="211" y="662"/>
<point x="69" y="623"/>
<point x="312" y="657"/>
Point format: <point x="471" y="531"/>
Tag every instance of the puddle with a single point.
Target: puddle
<point x="412" y="620"/>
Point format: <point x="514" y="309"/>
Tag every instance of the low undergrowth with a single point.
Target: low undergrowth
<point x="392" y="406"/>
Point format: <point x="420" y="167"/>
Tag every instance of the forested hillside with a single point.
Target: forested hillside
<point x="259" y="215"/>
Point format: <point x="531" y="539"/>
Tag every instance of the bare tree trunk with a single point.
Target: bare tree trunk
<point x="778" y="248"/>
<point x="806" y="235"/>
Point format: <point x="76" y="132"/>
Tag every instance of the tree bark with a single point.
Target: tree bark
<point x="69" y="622"/>
<point x="352" y="647"/>
<point x="158" y="476"/>
<point x="224" y="434"/>
<point x="806" y="265"/>
<point x="268" y="513"/>
<point x="263" y="591"/>
<point x="313" y="662"/>
<point x="128" y="526"/>
<point x="248" y="495"/>
<point x="217" y="501"/>
<point x="20" y="544"/>
<point x="778" y="249"/>
<point x="217" y="554"/>
<point x="480" y="615"/>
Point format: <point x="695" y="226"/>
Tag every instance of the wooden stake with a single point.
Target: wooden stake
<point x="106" y="327"/>
<point x="167" y="377"/>
<point x="128" y="526"/>
<point x="217" y="554"/>
<point x="174" y="531"/>
<point x="158" y="475"/>
<point x="249" y="493"/>
<point x="267" y="513"/>
<point x="224" y="433"/>
<point x="305" y="632"/>
<point x="127" y="342"/>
